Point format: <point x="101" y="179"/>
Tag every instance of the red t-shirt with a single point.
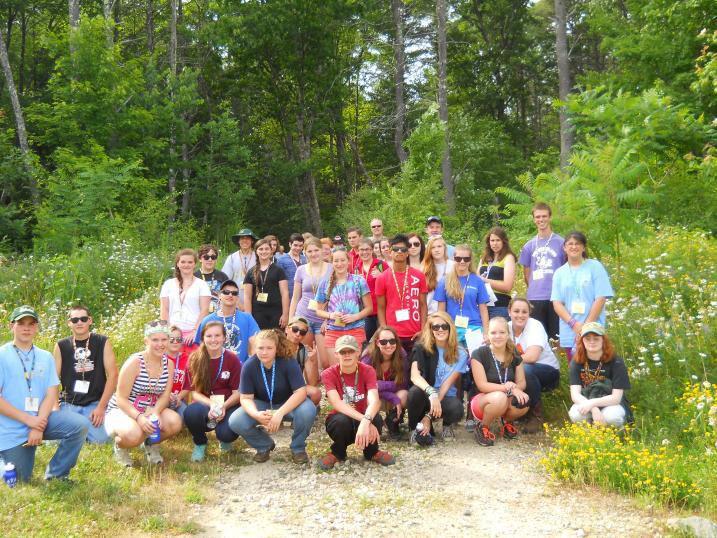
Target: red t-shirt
<point x="357" y="392"/>
<point x="370" y="280"/>
<point x="224" y="382"/>
<point x="180" y="371"/>
<point x="354" y="260"/>
<point x="398" y="299"/>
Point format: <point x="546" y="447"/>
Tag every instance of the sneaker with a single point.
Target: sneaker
<point x="151" y="451"/>
<point x="509" y="431"/>
<point x="448" y="433"/>
<point x="122" y="456"/>
<point x="383" y="458"/>
<point x="471" y="425"/>
<point x="420" y="440"/>
<point x="300" y="458"/>
<point x="263" y="456"/>
<point x="198" y="453"/>
<point x="483" y="435"/>
<point x="328" y="461"/>
<point x="226" y="447"/>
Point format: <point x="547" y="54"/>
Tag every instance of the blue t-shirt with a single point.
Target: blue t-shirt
<point x="13" y="388"/>
<point x="345" y="298"/>
<point x="444" y="370"/>
<point x="287" y="263"/>
<point x="239" y="328"/>
<point x="287" y="379"/>
<point x="576" y="287"/>
<point x="475" y="294"/>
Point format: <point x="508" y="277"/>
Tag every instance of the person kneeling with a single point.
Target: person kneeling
<point x="352" y="391"/>
<point x="498" y="374"/>
<point x="272" y="389"/>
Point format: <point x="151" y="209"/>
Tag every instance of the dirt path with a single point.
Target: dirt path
<point x="456" y="488"/>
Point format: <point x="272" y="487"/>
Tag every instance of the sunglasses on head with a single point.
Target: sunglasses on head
<point x="440" y="327"/>
<point x="387" y="342"/>
<point x="158" y="323"/>
<point x="412" y="244"/>
<point x="302" y="332"/>
<point x="235" y="293"/>
<point x="175" y="339"/>
<point x="399" y="249"/>
<point x="83" y="319"/>
<point x="459" y="259"/>
<point x="209" y="257"/>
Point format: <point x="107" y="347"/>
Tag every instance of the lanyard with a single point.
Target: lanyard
<point x="314" y="282"/>
<point x="463" y="292"/>
<point x="352" y="400"/>
<point x="401" y="294"/>
<point x="244" y="261"/>
<point x="229" y="329"/>
<point x="487" y="271"/>
<point x="502" y="379"/>
<point x="26" y="357"/>
<point x="262" y="281"/>
<point x="269" y="393"/>
<point x="574" y="279"/>
<point x="219" y="370"/>
<point x="85" y="355"/>
<point x="212" y="280"/>
<point x="547" y="242"/>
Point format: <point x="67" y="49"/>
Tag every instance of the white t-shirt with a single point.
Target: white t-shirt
<point x="442" y="269"/>
<point x="534" y="335"/>
<point x="184" y="311"/>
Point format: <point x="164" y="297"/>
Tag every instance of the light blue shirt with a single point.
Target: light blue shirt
<point x="444" y="370"/>
<point x="14" y="390"/>
<point x="239" y="328"/>
<point x="287" y="263"/>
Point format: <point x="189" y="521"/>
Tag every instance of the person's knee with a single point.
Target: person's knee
<point x="171" y="422"/>
<point x="240" y="422"/>
<point x="305" y="413"/>
<point x="614" y="415"/>
<point x="576" y="415"/>
<point x="415" y="395"/>
<point x="341" y="424"/>
<point x="131" y="437"/>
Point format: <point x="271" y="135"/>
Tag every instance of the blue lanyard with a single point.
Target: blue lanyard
<point x="497" y="368"/>
<point x="219" y="370"/>
<point x="270" y="393"/>
<point x="26" y="357"/>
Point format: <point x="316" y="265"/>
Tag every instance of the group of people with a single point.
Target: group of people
<point x="399" y="326"/>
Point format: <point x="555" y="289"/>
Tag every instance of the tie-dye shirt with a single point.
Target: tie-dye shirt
<point x="345" y="298"/>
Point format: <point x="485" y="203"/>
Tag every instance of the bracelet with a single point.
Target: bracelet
<point x="572" y="322"/>
<point x="433" y="394"/>
<point x="429" y="390"/>
<point x="139" y="414"/>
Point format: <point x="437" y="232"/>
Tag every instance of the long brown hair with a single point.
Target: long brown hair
<point x="332" y="277"/>
<point x="581" y="355"/>
<point x="284" y="348"/>
<point x="488" y="254"/>
<point x="255" y="270"/>
<point x="177" y="272"/>
<point x="395" y="371"/>
<point x="454" y="290"/>
<point x="509" y="344"/>
<point x="428" y="341"/>
<point x="429" y="265"/>
<point x="199" y="362"/>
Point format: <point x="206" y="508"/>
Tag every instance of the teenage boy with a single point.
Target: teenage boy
<point x="88" y="371"/>
<point x="376" y="230"/>
<point x="354" y="236"/>
<point x="401" y="295"/>
<point x="209" y="273"/>
<point x="540" y="257"/>
<point x="291" y="261"/>
<point x="434" y="228"/>
<point x="28" y="394"/>
<point x="239" y="326"/>
<point x="238" y="264"/>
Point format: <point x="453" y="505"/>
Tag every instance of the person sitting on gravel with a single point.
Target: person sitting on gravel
<point x="389" y="361"/>
<point x="352" y="391"/>
<point x="437" y="362"/>
<point x="272" y="389"/>
<point x="499" y="376"/>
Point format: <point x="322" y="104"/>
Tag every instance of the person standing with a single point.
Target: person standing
<point x="354" y="236"/>
<point x="540" y="257"/>
<point x="376" y="230"/>
<point x="209" y="273"/>
<point x="401" y="296"/>
<point x="239" y="263"/>
<point x="88" y="371"/>
<point x="497" y="268"/>
<point x="435" y="266"/>
<point x="266" y="290"/>
<point x="416" y="251"/>
<point x="434" y="228"/>
<point x="369" y="268"/>
<point x="291" y="261"/>
<point x="29" y="391"/>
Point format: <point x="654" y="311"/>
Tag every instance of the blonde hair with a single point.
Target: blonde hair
<point x="312" y="241"/>
<point x="428" y="341"/>
<point x="454" y="290"/>
<point x="509" y="345"/>
<point x="284" y="348"/>
<point x="429" y="265"/>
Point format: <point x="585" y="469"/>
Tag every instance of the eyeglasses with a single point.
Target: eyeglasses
<point x="296" y="330"/>
<point x="158" y="323"/>
<point x="459" y="259"/>
<point x="235" y="293"/>
<point x="412" y="244"/>
<point x="387" y="342"/>
<point x="83" y="319"/>
<point x="209" y="257"/>
<point x="175" y="339"/>
<point x="399" y="249"/>
<point x="440" y="327"/>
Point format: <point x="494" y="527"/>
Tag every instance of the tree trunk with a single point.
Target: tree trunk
<point x="567" y="136"/>
<point x="107" y="12"/>
<point x="23" y="43"/>
<point x="150" y="26"/>
<point x="172" y="179"/>
<point x="185" y="179"/>
<point x="399" y="54"/>
<point x="19" y="121"/>
<point x="307" y="182"/>
<point x="446" y="169"/>
<point x="74" y="11"/>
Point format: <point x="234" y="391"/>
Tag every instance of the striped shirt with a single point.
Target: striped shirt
<point x="145" y="390"/>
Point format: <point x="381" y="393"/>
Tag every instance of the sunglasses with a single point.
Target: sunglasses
<point x="376" y="225"/>
<point x="158" y="323"/>
<point x="235" y="293"/>
<point x="399" y="249"/>
<point x="387" y="342"/>
<point x="412" y="244"/>
<point x="302" y="332"/>
<point x="83" y="319"/>
<point x="175" y="339"/>
<point x="459" y="259"/>
<point x="440" y="327"/>
<point x="209" y="257"/>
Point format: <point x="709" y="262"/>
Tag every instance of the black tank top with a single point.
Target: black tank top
<point x="77" y="365"/>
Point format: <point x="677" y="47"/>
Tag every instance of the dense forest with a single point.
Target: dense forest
<point x="132" y="118"/>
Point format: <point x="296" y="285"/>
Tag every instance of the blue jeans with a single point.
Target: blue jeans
<point x="196" y="416"/>
<point x="67" y="427"/>
<point x="302" y="417"/>
<point x="539" y="378"/>
<point x="96" y="435"/>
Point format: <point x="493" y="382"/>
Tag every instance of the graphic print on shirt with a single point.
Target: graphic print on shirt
<point x="83" y="364"/>
<point x="544" y="256"/>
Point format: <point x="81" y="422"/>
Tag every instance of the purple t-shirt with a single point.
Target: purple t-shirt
<point x="542" y="257"/>
<point x="308" y="284"/>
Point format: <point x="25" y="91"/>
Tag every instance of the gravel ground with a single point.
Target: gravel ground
<point x="454" y="488"/>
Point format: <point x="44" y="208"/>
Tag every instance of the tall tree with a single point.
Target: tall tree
<point x="172" y="180"/>
<point x="567" y="134"/>
<point x="446" y="168"/>
<point x="399" y="55"/>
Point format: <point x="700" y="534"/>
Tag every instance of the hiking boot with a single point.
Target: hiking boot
<point x="509" y="431"/>
<point x="483" y="435"/>
<point x="151" y="451"/>
<point x="198" y="453"/>
<point x="392" y="424"/>
<point x="448" y="433"/>
<point x="263" y="456"/>
<point x="420" y="440"/>
<point x="122" y="456"/>
<point x="383" y="458"/>
<point x="471" y="425"/>
<point x="300" y="457"/>
<point x="328" y="461"/>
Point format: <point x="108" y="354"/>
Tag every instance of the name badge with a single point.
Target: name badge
<point x="462" y="322"/>
<point x="82" y="387"/>
<point x="32" y="404"/>
<point x="537" y="274"/>
<point x="402" y="315"/>
<point x="578" y="307"/>
<point x="313" y="305"/>
<point x="262" y="297"/>
<point x="211" y="310"/>
<point x="338" y="323"/>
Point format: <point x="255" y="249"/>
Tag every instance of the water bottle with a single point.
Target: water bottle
<point x="419" y="427"/>
<point x="154" y="419"/>
<point x="10" y="475"/>
<point x="213" y="414"/>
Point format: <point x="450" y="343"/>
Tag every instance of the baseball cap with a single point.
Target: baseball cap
<point x="346" y="342"/>
<point x="23" y="311"/>
<point x="433" y="218"/>
<point x="593" y="327"/>
<point x="229" y="282"/>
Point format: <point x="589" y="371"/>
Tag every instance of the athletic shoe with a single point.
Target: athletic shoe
<point x="151" y="451"/>
<point x="226" y="447"/>
<point x="471" y="425"/>
<point x="328" y="461"/>
<point x="300" y="457"/>
<point x="448" y="433"/>
<point x="383" y="458"/>
<point x="420" y="440"/>
<point x="262" y="456"/>
<point x="198" y="453"/>
<point x="484" y="436"/>
<point x="509" y="431"/>
<point x="122" y="456"/>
